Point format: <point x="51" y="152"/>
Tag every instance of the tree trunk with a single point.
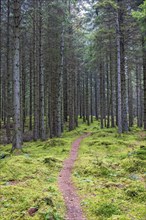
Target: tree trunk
<point x="30" y="91"/>
<point x="108" y="94"/>
<point x="84" y="101"/>
<point x="119" y="75"/>
<point x="123" y="76"/>
<point x="144" y="78"/>
<point x="35" y="78"/>
<point x="87" y="99"/>
<point x="96" y="96"/>
<point x="41" y="77"/>
<point x="130" y="98"/>
<point x="17" y="142"/>
<point x="138" y="96"/>
<point x="0" y="67"/>
<point x="111" y="88"/>
<point x="91" y="97"/>
<point x="59" y="115"/>
<point x="8" y="101"/>
<point x="101" y="95"/>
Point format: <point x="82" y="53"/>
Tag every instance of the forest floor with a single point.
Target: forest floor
<point x="109" y="176"/>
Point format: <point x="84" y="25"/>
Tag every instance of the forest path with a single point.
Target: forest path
<point x="72" y="201"/>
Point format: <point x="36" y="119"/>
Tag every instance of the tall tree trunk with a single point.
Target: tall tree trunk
<point x="123" y="76"/>
<point x="35" y="78"/>
<point x="71" y="83"/>
<point x="87" y="99"/>
<point x="119" y="74"/>
<point x="104" y="107"/>
<point x="138" y="96"/>
<point x="30" y="91"/>
<point x="101" y="94"/>
<point x="0" y="66"/>
<point x="130" y="98"/>
<point x="76" y="95"/>
<point x="111" y="88"/>
<point x="59" y="115"/>
<point x="65" y="103"/>
<point x="8" y="101"/>
<point x="84" y="101"/>
<point x="144" y="77"/>
<point x="91" y="97"/>
<point x="17" y="142"/>
<point x="41" y="77"/>
<point x="96" y="96"/>
<point x="108" y="94"/>
<point x="23" y="83"/>
<point x="71" y="100"/>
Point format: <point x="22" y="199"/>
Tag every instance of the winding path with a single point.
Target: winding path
<point x="72" y="201"/>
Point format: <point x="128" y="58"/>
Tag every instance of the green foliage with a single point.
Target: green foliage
<point x="140" y="15"/>
<point x="106" y="3"/>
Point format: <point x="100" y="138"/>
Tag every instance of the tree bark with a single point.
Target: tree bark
<point x="0" y="66"/>
<point x="17" y="142"/>
<point x="35" y="78"/>
<point x="59" y="115"/>
<point x="119" y="75"/>
<point x="41" y="77"/>
<point x="144" y="77"/>
<point x="8" y="101"/>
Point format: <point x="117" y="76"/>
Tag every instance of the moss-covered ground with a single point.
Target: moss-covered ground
<point x="110" y="175"/>
<point x="29" y="179"/>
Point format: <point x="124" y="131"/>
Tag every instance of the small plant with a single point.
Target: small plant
<point x="54" y="142"/>
<point x="107" y="210"/>
<point x="133" y="165"/>
<point x="52" y="214"/>
<point x="137" y="192"/>
<point x="104" y="171"/>
<point x="141" y="153"/>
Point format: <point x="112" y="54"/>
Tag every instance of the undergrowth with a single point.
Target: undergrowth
<point x="110" y="175"/>
<point x="29" y="180"/>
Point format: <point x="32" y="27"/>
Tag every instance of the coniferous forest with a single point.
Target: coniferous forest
<point x="73" y="109"/>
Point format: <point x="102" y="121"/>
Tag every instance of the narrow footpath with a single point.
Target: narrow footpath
<point x="72" y="201"/>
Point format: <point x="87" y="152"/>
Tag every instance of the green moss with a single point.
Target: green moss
<point x="137" y="192"/>
<point x="4" y="155"/>
<point x="29" y="179"/>
<point x="141" y="153"/>
<point x="110" y="175"/>
<point x="107" y="210"/>
<point x="55" y="142"/>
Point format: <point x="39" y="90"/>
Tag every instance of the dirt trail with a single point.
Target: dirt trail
<point x="72" y="201"/>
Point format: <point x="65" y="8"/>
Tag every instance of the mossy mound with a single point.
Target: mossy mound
<point x="141" y="153"/>
<point x="55" y="142"/>
<point x="4" y="155"/>
<point x="107" y="210"/>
